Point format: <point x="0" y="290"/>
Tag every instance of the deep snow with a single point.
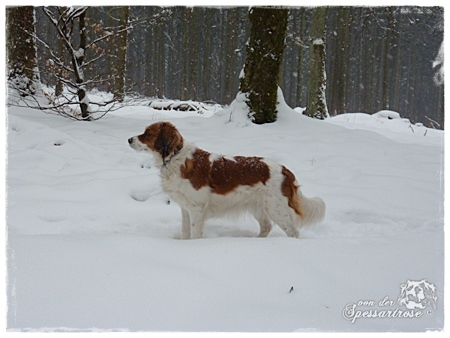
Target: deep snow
<point x="93" y="241"/>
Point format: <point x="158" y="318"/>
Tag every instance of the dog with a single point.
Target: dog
<point x="417" y="295"/>
<point x="208" y="185"/>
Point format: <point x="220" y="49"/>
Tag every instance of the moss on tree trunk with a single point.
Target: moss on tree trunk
<point x="263" y="62"/>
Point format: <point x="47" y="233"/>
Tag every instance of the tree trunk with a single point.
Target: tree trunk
<point x="185" y="80"/>
<point x="263" y="62"/>
<point x="387" y="74"/>
<point x="301" y="53"/>
<point x="21" y="49"/>
<point x="59" y="87"/>
<point x="77" y="61"/>
<point x="194" y="44"/>
<point x="207" y="61"/>
<point x="120" y="44"/>
<point x="316" y="100"/>
<point x="338" y="87"/>
<point x="231" y="57"/>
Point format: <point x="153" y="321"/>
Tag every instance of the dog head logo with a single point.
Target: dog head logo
<point x="417" y="295"/>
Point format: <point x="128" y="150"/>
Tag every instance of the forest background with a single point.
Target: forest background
<point x="376" y="57"/>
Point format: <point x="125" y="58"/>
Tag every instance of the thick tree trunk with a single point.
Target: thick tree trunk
<point x="263" y="62"/>
<point x="21" y="49"/>
<point x="316" y="100"/>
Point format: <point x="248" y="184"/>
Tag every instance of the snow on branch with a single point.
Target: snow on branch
<point x="438" y="63"/>
<point x="66" y="104"/>
<point x="71" y="29"/>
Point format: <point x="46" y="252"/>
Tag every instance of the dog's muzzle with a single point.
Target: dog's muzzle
<point x="136" y="144"/>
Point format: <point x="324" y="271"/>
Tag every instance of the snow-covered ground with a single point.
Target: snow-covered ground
<point x="93" y="241"/>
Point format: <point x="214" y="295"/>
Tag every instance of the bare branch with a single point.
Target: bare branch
<point x="74" y="99"/>
<point x="434" y="124"/>
<point x="85" y="64"/>
<point x="55" y="58"/>
<point x="64" y="108"/>
<point x="106" y="36"/>
<point x="152" y="20"/>
<point x="298" y="41"/>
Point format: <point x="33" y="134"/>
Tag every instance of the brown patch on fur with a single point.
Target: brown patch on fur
<point x="289" y="189"/>
<point x="224" y="175"/>
<point x="162" y="137"/>
<point x="197" y="169"/>
<point x="228" y="174"/>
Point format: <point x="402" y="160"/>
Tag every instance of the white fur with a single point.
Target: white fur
<point x="264" y="201"/>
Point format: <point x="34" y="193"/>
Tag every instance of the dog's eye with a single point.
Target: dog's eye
<point x="147" y="134"/>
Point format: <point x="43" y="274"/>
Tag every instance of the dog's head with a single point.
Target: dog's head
<point x="162" y="139"/>
<point x="417" y="295"/>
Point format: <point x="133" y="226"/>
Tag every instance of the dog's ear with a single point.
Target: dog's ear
<point x="429" y="291"/>
<point x="168" y="142"/>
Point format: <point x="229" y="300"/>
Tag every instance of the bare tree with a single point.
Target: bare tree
<point x="71" y="27"/>
<point x="64" y="21"/>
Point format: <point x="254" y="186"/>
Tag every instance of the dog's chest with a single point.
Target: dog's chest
<point x="178" y="188"/>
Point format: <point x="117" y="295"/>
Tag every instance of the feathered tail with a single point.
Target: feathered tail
<point x="312" y="210"/>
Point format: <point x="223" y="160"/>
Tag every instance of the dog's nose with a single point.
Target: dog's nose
<point x="130" y="140"/>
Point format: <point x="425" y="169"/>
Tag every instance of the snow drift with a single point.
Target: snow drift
<point x="92" y="240"/>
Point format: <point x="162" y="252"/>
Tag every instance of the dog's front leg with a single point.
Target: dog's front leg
<point x="197" y="220"/>
<point x="185" y="224"/>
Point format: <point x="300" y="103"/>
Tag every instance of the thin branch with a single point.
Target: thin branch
<point x="433" y="123"/>
<point x="58" y="108"/>
<point x="55" y="58"/>
<point x="63" y="19"/>
<point x="106" y="36"/>
<point x="297" y="41"/>
<point x="51" y="109"/>
<point x="85" y="64"/>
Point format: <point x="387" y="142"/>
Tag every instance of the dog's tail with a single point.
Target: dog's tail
<point x="311" y="210"/>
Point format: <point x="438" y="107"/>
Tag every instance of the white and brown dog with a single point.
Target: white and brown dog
<point x="208" y="185"/>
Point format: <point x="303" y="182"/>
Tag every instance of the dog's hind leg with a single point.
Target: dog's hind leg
<point x="284" y="216"/>
<point x="264" y="223"/>
<point x="290" y="230"/>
